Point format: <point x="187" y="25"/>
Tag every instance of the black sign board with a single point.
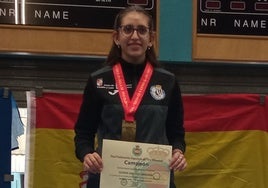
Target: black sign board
<point x="8" y="12"/>
<point x="97" y="14"/>
<point x="232" y="17"/>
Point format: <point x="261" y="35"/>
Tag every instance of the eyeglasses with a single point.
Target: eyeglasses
<point x="129" y="30"/>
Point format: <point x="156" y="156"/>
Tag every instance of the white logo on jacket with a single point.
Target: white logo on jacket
<point x="157" y="92"/>
<point x="112" y="88"/>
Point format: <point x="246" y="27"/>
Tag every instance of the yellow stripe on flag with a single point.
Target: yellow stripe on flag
<point x="235" y="159"/>
<point x="52" y="162"/>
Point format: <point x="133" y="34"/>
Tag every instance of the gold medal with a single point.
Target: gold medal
<point x="128" y="131"/>
<point x="130" y="106"/>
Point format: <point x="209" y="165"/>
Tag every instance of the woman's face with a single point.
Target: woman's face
<point x="134" y="43"/>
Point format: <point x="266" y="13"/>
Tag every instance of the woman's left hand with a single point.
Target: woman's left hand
<point x="178" y="161"/>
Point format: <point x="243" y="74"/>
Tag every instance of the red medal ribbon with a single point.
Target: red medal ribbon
<point x="131" y="106"/>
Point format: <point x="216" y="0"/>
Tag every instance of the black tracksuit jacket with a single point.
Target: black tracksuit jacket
<point x="159" y="118"/>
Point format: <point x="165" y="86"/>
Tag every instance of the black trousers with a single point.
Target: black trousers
<point x="93" y="181"/>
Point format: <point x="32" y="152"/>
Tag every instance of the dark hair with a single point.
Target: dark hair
<point x="115" y="53"/>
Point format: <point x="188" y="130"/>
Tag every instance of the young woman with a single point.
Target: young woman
<point x="131" y="98"/>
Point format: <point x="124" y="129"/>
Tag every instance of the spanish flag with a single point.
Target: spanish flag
<point x="50" y="159"/>
<point x="227" y="141"/>
<point x="226" y="136"/>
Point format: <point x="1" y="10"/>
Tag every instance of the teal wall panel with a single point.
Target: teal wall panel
<point x="175" y="30"/>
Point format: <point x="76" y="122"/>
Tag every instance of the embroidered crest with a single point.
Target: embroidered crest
<point x="157" y="92"/>
<point x="99" y="82"/>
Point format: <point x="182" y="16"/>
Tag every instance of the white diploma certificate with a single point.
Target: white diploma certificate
<point x="134" y="164"/>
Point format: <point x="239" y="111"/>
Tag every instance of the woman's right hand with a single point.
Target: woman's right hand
<point x="93" y="163"/>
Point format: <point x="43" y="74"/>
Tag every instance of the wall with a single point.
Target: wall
<point x="22" y="72"/>
<point x="175" y="41"/>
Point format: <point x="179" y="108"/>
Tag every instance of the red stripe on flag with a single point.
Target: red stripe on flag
<point x="57" y="110"/>
<point x="220" y="112"/>
<point x="225" y="112"/>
